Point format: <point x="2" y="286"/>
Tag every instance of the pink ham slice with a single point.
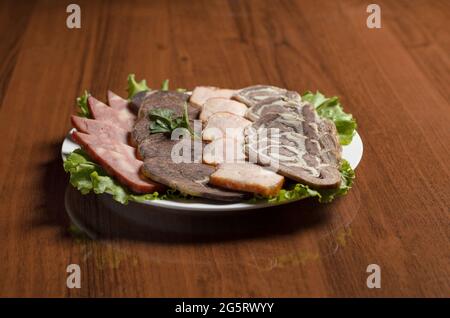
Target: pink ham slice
<point x="103" y="112"/>
<point x="117" y="102"/>
<point x="118" y="161"/>
<point x="84" y="139"/>
<point x="100" y="129"/>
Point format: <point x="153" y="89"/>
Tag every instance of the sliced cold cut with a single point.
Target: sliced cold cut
<point x="252" y="95"/>
<point x="222" y="125"/>
<point x="170" y="100"/>
<point x="247" y="177"/>
<point x="271" y="105"/>
<point x="103" y="112"/>
<point x="119" y="164"/>
<point x="224" y="150"/>
<point x="100" y="129"/>
<point x="219" y="104"/>
<point x="300" y="145"/>
<point x="184" y="172"/>
<point x="85" y="139"/>
<point x="201" y="94"/>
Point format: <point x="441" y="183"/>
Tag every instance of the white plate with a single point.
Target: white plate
<point x="352" y="153"/>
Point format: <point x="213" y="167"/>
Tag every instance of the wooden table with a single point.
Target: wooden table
<point x="394" y="80"/>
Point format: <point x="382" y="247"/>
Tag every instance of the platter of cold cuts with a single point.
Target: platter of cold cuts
<point x="212" y="149"/>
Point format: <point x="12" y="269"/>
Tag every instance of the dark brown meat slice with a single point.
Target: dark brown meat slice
<point x="305" y="148"/>
<point x="99" y="128"/>
<point x="167" y="99"/>
<point x="188" y="178"/>
<point x="254" y="94"/>
<point x="137" y="99"/>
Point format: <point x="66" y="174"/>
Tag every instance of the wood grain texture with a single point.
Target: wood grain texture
<point x="394" y="80"/>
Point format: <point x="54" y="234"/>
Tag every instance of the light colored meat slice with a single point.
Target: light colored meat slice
<point x="85" y="139"/>
<point x="201" y="94"/>
<point x="247" y="177"/>
<point x="125" y="169"/>
<point x="220" y="104"/>
<point x="100" y="129"/>
<point x="117" y="102"/>
<point x="222" y="125"/>
<point x="224" y="150"/>
<point x="103" y="112"/>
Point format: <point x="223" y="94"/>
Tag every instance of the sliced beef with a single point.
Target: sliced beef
<point x="138" y="99"/>
<point x="254" y="94"/>
<point x="167" y="99"/>
<point x="100" y="129"/>
<point x="201" y="94"/>
<point x="219" y="104"/>
<point x="271" y="105"/>
<point x="222" y="125"/>
<point x="187" y="175"/>
<point x="188" y="178"/>
<point x="303" y="146"/>
<point x="247" y="177"/>
<point x="103" y="112"/>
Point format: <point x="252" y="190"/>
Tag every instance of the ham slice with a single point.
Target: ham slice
<point x="222" y="125"/>
<point x="119" y="161"/>
<point x="100" y="129"/>
<point x="220" y="104"/>
<point x="84" y="139"/>
<point x="116" y="102"/>
<point x="201" y="94"/>
<point x="103" y="112"/>
<point x="247" y="177"/>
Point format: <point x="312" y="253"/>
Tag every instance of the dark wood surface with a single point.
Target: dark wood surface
<point x="395" y="80"/>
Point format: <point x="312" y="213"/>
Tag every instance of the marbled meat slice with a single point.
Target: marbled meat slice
<point x="100" y="129"/>
<point x="252" y="95"/>
<point x="271" y="105"/>
<point x="220" y="104"/>
<point x="103" y="112"/>
<point x="303" y="147"/>
<point x="222" y="125"/>
<point x="247" y="177"/>
<point x="201" y="94"/>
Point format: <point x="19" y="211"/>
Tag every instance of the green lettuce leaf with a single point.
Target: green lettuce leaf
<point x="135" y="87"/>
<point x="165" y="85"/>
<point x="87" y="176"/>
<point x="331" y="108"/>
<point x="82" y="103"/>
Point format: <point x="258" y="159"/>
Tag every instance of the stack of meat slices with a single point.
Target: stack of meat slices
<point x="305" y="147"/>
<point x="105" y="139"/>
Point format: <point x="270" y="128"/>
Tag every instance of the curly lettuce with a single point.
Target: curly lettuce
<point x="82" y="103"/>
<point x="331" y="108"/>
<point x="135" y="87"/>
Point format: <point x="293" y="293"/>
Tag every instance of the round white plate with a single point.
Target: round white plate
<point x="352" y="153"/>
